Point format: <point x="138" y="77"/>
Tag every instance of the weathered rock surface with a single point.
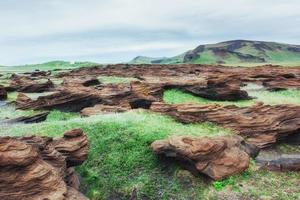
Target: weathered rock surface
<point x="36" y="167"/>
<point x="26" y="84"/>
<point x="217" y="157"/>
<point x="261" y="124"/>
<point x="3" y="93"/>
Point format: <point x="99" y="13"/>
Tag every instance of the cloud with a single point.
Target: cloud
<point x="114" y="30"/>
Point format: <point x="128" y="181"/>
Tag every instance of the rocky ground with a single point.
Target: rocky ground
<point x="160" y="131"/>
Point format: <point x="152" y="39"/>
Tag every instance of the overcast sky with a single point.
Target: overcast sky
<point x="34" y="31"/>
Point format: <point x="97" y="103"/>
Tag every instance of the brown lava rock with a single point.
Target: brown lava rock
<point x="39" y="167"/>
<point x="217" y="157"/>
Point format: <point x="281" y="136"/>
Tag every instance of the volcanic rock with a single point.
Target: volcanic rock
<point x="262" y="125"/>
<point x="25" y="84"/>
<point x="217" y="157"/>
<point x="36" y="167"/>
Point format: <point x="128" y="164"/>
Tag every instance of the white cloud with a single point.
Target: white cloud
<point x="140" y="26"/>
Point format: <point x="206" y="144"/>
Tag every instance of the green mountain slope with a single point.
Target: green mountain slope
<point x="233" y="52"/>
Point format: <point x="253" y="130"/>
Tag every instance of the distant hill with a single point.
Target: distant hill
<point x="232" y="52"/>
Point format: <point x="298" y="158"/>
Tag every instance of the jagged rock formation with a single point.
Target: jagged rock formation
<point x="217" y="157"/>
<point x="74" y="96"/>
<point x="3" y="93"/>
<point x="40" y="167"/>
<point x="26" y="84"/>
<point x="262" y="125"/>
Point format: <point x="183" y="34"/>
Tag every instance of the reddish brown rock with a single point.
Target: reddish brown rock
<point x="26" y="84"/>
<point x="37" y="167"/>
<point x="217" y="157"/>
<point x="262" y="125"/>
<point x="3" y="93"/>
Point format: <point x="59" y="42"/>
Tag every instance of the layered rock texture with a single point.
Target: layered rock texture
<point x="27" y="84"/>
<point x="35" y="167"/>
<point x="262" y="125"/>
<point x="217" y="157"/>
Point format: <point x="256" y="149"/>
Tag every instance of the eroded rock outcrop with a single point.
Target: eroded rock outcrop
<point x="26" y="84"/>
<point x="35" y="167"/>
<point x="272" y="77"/>
<point x="217" y="157"/>
<point x="262" y="125"/>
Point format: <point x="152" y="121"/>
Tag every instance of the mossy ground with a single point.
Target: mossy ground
<point x="121" y="165"/>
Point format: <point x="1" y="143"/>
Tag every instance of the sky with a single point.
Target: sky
<point x="112" y="31"/>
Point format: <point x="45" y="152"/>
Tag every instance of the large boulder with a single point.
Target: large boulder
<point x="217" y="157"/>
<point x="262" y="125"/>
<point x="38" y="167"/>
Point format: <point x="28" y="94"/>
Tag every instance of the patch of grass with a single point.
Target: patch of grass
<point x="115" y="79"/>
<point x="56" y="115"/>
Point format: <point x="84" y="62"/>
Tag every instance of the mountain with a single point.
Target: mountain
<point x="232" y="52"/>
